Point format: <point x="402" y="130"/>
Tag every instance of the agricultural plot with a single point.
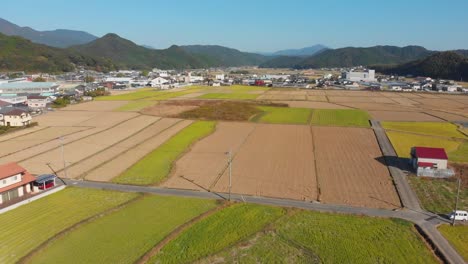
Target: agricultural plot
<point x="335" y="238"/>
<point x="449" y="116"/>
<point x="278" y="164"/>
<point x="201" y="167"/>
<point x="403" y="142"/>
<point x="83" y="148"/>
<point x="351" y="169"/>
<point x="232" y="96"/>
<point x="217" y="232"/>
<point x="118" y="165"/>
<point x="124" y="236"/>
<point x="403" y="116"/>
<point x="283" y="115"/>
<point x="156" y="166"/>
<point x="27" y="227"/>
<point x="25" y="141"/>
<point x="134" y="105"/>
<point x="137" y="95"/>
<point x="313" y="105"/>
<point x="340" y="117"/>
<point x="441" y="129"/>
<point x="95" y="106"/>
<point x="457" y="236"/>
<point x="297" y="237"/>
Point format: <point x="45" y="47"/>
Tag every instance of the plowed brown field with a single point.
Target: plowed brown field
<point x="206" y="161"/>
<point x="275" y="161"/>
<point x="348" y="169"/>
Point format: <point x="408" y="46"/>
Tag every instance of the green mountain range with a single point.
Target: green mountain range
<point x="219" y="56"/>
<point x="17" y="53"/>
<point x="444" y="65"/>
<point x="350" y="56"/>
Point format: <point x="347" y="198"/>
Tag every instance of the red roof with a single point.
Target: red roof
<point x="425" y="164"/>
<point x="3" y="103"/>
<point x="10" y="169"/>
<point x="430" y="153"/>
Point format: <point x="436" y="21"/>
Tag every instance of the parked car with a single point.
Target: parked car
<point x="459" y="215"/>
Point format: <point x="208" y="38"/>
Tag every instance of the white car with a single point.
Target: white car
<point x="459" y="215"/>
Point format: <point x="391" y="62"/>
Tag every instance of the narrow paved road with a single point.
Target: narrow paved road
<point x="425" y="220"/>
<point x="407" y="195"/>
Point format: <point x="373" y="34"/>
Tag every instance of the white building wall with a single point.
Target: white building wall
<point x="15" y="121"/>
<point x="20" y="191"/>
<point x="10" y="180"/>
<point x="441" y="164"/>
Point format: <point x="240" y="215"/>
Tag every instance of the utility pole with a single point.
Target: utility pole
<point x="63" y="157"/>
<point x="456" y="201"/>
<point x="229" y="153"/>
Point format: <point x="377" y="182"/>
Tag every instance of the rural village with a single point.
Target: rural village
<point x="114" y="151"/>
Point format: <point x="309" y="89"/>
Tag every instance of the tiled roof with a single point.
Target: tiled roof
<point x="430" y="153"/>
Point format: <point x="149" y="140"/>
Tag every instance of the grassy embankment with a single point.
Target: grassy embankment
<point x="157" y="165"/>
<point x="25" y="228"/>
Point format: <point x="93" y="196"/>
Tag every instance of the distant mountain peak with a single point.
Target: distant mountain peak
<point x="60" y="38"/>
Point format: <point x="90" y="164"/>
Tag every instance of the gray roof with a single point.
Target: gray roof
<point x="19" y="85"/>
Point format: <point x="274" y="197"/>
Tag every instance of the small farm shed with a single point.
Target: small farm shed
<point x="424" y="157"/>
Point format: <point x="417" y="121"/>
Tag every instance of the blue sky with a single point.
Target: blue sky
<point x="255" y="25"/>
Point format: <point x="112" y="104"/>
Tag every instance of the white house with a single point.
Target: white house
<point x="37" y="101"/>
<point x="15" y="117"/>
<point x="219" y="77"/>
<point x="158" y="81"/>
<point x="15" y="182"/>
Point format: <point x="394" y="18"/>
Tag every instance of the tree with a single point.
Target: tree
<point x="120" y="75"/>
<point x="144" y="73"/>
<point x="89" y="79"/>
<point x="39" y="79"/>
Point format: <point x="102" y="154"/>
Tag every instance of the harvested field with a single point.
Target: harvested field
<point x="381" y="107"/>
<point x="440" y="103"/>
<point x="167" y="109"/>
<point x="448" y="116"/>
<point x="95" y="106"/>
<point x="120" y="164"/>
<point x="403" y="116"/>
<point x="405" y="101"/>
<point x="355" y="99"/>
<point x="313" y="105"/>
<point x="134" y="105"/>
<point x="351" y="170"/>
<point x="316" y="98"/>
<point x="442" y="129"/>
<point x="12" y="145"/>
<point x="281" y="97"/>
<point x="106" y="155"/>
<point x="206" y="160"/>
<point x="88" y="146"/>
<point x="64" y="118"/>
<point x="276" y="164"/>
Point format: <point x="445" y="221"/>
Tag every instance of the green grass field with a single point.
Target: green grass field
<point x="312" y="237"/>
<point x="425" y="128"/>
<point x="125" y="235"/>
<point x="403" y="142"/>
<point x="25" y="228"/>
<point x="155" y="166"/>
<point x="233" y="96"/>
<point x="340" y="117"/>
<point x="458" y="237"/>
<point x="216" y="232"/>
<point x="135" y="105"/>
<point x="461" y="154"/>
<point x="336" y="238"/>
<point x="438" y="195"/>
<point x="283" y="115"/>
<point x="265" y="247"/>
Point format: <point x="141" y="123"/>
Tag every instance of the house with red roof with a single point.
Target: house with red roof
<point x="429" y="158"/>
<point x="15" y="182"/>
